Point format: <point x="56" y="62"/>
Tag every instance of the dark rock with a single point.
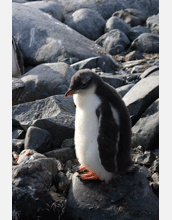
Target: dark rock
<point x="18" y="134"/>
<point x="17" y="89"/>
<point x="117" y="23"/>
<point x="31" y="196"/>
<point x="68" y="143"/>
<point x="52" y="8"/>
<point x="146" y="43"/>
<point x="124" y="89"/>
<point x="46" y="80"/>
<point x="134" y="55"/>
<point x="44" y="39"/>
<point x="87" y="22"/>
<point x="38" y="139"/>
<point x="62" y="182"/>
<point x="130" y="199"/>
<point x="137" y="31"/>
<point x="149" y="71"/>
<point x="63" y="154"/>
<point x="114" y="42"/>
<point x="113" y="80"/>
<point x="145" y="171"/>
<point x="153" y="23"/>
<point x="17" y="145"/>
<point x="146" y="131"/>
<point x="131" y="16"/>
<point x="105" y="64"/>
<point x="108" y="7"/>
<point x="141" y="96"/>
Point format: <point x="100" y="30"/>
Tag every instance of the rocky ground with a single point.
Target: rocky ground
<point x="120" y="42"/>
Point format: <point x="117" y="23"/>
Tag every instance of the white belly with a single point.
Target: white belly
<point x="86" y="132"/>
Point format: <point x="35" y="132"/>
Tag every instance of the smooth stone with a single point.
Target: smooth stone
<point x="137" y="31"/>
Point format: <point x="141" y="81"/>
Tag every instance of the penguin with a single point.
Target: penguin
<point x="102" y="128"/>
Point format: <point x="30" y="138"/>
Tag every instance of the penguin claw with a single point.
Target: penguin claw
<point x="89" y="176"/>
<point x="82" y="169"/>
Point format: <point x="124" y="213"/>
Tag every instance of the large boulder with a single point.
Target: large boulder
<point x="131" y="16"/>
<point x="108" y="7"/>
<point x="52" y="8"/>
<point x="146" y="131"/>
<point x="137" y="31"/>
<point x="146" y="43"/>
<point x="87" y="22"/>
<point x="141" y="96"/>
<point x="45" y="80"/>
<point x="130" y="199"/>
<point x="117" y="23"/>
<point x="43" y="39"/>
<point x="114" y="42"/>
<point x="17" y="89"/>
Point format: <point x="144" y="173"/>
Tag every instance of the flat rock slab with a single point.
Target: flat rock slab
<point x="141" y="96"/>
<point x="131" y="199"/>
<point x="45" y="80"/>
<point x="44" y="39"/>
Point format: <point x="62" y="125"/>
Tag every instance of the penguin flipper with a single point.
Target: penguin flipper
<point x="108" y="138"/>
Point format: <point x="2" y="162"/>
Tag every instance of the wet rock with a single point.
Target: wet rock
<point x="153" y="23"/>
<point x="17" y="89"/>
<point x="117" y="23"/>
<point x="131" y="16"/>
<point x="134" y="55"/>
<point x="46" y="80"/>
<point x="106" y="65"/>
<point x="87" y="22"/>
<point x="149" y="71"/>
<point x="51" y="8"/>
<point x="141" y="96"/>
<point x="137" y="31"/>
<point x="146" y="131"/>
<point x="44" y="39"/>
<point x="146" y="43"/>
<point x="127" y="200"/>
<point x="114" y="42"/>
<point x="64" y="154"/>
<point x="38" y="139"/>
<point x="122" y="90"/>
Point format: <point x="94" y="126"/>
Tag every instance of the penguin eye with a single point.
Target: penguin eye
<point x="84" y="85"/>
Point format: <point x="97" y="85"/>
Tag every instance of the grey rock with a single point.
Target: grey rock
<point x="63" y="154"/>
<point x="117" y="23"/>
<point x="145" y="171"/>
<point x="155" y="166"/>
<point x="87" y="22"/>
<point x="145" y="158"/>
<point x="122" y="90"/>
<point x="43" y="39"/>
<point x="149" y="71"/>
<point x="108" y="7"/>
<point x="52" y="8"/>
<point x="68" y="143"/>
<point x="32" y="198"/>
<point x="134" y="55"/>
<point x="113" y="80"/>
<point x="19" y="1"/>
<point x="38" y="139"/>
<point x="46" y="80"/>
<point x="153" y="23"/>
<point x="105" y="64"/>
<point x="17" y="145"/>
<point x="18" y="133"/>
<point x="17" y="88"/>
<point x="132" y="63"/>
<point x="146" y="43"/>
<point x="127" y="200"/>
<point x="141" y="96"/>
<point x="114" y="42"/>
<point x="131" y="16"/>
<point x="137" y="31"/>
<point x="146" y="131"/>
<point x="62" y="182"/>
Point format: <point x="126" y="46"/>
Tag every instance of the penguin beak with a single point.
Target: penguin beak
<point x="70" y="92"/>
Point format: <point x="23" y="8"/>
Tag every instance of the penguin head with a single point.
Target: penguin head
<point x="82" y="82"/>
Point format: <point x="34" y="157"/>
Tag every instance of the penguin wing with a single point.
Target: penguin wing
<point x="108" y="137"/>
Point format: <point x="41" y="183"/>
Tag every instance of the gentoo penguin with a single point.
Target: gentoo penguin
<point x="102" y="127"/>
<point x="17" y="60"/>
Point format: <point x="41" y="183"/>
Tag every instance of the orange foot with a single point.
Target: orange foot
<point x="82" y="169"/>
<point x="89" y="176"/>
